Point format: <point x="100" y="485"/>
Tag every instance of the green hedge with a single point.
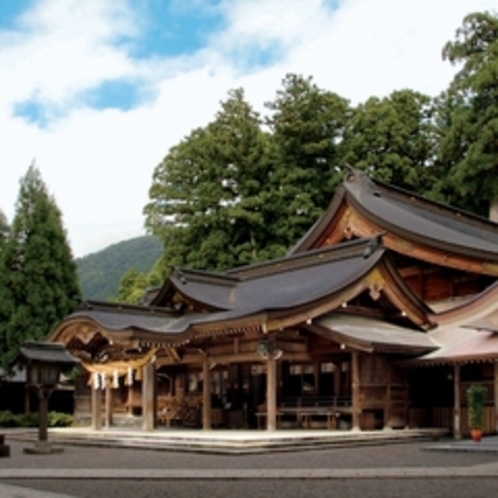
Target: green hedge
<point x="55" y="419"/>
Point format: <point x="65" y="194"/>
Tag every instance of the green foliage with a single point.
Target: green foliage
<point x="55" y="419"/>
<point x="8" y="419"/>
<point x="100" y="273"/>
<point x="27" y="419"/>
<point x="307" y="125"/>
<point x="469" y="145"/>
<point x="132" y="287"/>
<point x="231" y="194"/>
<point x="476" y="399"/>
<point x="4" y="231"/>
<point x="38" y="281"/>
<point x="394" y="139"/>
<point x="210" y="196"/>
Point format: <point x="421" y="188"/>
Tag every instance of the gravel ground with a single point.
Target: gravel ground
<point x="392" y="455"/>
<point x="364" y="488"/>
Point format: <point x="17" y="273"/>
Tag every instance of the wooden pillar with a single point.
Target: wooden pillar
<point x="457" y="403"/>
<point x="149" y="397"/>
<point x="206" y="395"/>
<point x="108" y="406"/>
<point x="337" y="379"/>
<point x="387" y="403"/>
<point x="496" y="396"/>
<point x="43" y="414"/>
<point x="355" y="390"/>
<point x="316" y="374"/>
<point x="96" y="409"/>
<point x="27" y="403"/>
<point x="271" y="393"/>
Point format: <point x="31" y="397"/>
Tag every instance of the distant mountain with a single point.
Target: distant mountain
<point x="100" y="272"/>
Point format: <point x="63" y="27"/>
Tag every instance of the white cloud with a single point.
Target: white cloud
<point x="99" y="163"/>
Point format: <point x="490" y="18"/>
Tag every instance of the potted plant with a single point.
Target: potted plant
<point x="476" y="398"/>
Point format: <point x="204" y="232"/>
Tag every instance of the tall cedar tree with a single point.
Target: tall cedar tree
<point x="4" y="232"/>
<point x="210" y="197"/>
<point x="469" y="148"/>
<point x="39" y="275"/>
<point x="307" y="125"/>
<point x="394" y="139"/>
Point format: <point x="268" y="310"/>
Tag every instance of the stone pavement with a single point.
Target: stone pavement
<point x="7" y="491"/>
<point x="489" y="444"/>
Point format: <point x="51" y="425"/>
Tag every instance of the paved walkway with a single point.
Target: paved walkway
<point x="7" y="491"/>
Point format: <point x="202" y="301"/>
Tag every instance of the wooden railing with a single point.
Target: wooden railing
<point x="306" y="410"/>
<point x="332" y="402"/>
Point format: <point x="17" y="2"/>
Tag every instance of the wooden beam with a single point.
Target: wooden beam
<point x="189" y="359"/>
<point x="173" y="354"/>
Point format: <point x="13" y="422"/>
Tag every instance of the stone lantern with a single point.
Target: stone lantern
<point x="44" y="362"/>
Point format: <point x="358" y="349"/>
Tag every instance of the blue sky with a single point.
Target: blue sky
<point x="97" y="91"/>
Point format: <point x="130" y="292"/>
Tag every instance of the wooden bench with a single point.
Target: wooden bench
<point x="304" y="415"/>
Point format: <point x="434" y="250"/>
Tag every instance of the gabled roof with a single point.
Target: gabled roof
<point x="282" y="283"/>
<point x="288" y="285"/>
<point x="406" y="216"/>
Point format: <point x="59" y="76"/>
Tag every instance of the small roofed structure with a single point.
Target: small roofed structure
<point x="44" y="362"/>
<point x="359" y="324"/>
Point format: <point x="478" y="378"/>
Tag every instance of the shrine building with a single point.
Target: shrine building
<point x="380" y="317"/>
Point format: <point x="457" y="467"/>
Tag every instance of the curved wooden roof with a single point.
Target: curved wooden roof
<point x="264" y="297"/>
<point x="414" y="226"/>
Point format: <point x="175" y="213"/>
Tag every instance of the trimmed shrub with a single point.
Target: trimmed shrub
<point x="8" y="419"/>
<point x="56" y="419"/>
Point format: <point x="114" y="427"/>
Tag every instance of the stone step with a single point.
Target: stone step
<point x="232" y="445"/>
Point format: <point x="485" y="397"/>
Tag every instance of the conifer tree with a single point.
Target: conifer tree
<point x="307" y="125"/>
<point x="39" y="277"/>
<point x="4" y="231"/>
<point x="210" y="196"/>
<point x="394" y="139"/>
<point x="469" y="147"/>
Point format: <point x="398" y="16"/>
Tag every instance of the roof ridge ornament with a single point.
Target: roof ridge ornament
<point x="373" y="244"/>
<point x="176" y="271"/>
